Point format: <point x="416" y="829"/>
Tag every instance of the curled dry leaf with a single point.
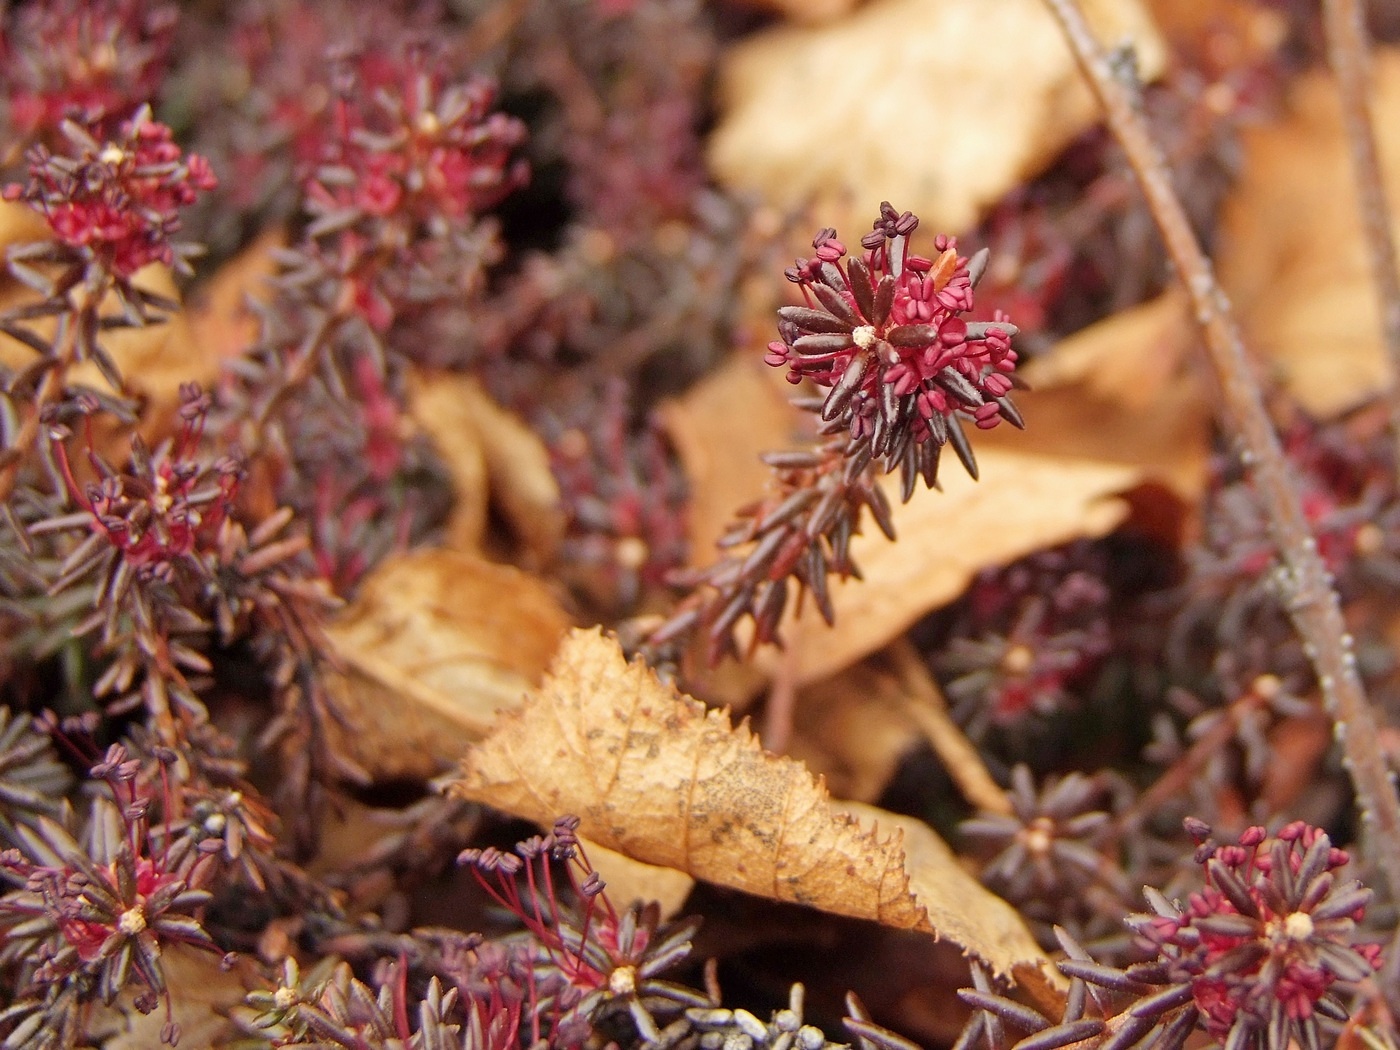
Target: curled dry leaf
<point x="940" y="107"/>
<point x="719" y="429"/>
<point x="853" y="729"/>
<point x="451" y="422"/>
<point x="436" y="643"/>
<point x="1292" y="256"/>
<point x="474" y="434"/>
<point x="658" y="776"/>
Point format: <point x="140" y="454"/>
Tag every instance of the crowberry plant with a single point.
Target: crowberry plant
<point x="887" y="336"/>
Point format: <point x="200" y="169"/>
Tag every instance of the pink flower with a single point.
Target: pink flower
<point x="885" y="333"/>
<point x="118" y="202"/>
<point x="1268" y="935"/>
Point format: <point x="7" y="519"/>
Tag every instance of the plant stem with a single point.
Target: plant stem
<point x="1348" y="51"/>
<point x="49" y="392"/>
<point x="1302" y="577"/>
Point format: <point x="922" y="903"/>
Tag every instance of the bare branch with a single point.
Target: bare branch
<point x="1306" y="587"/>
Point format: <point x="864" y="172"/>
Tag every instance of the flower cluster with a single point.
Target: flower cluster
<point x="168" y="565"/>
<point x="1050" y="852"/>
<point x="1254" y="958"/>
<point x="888" y="336"/>
<point x="419" y="146"/>
<point x="412" y="157"/>
<point x="625" y="501"/>
<point x="89" y="61"/>
<point x="589" y="963"/>
<point x="1262" y="943"/>
<point x="117" y="202"/>
<point x="170" y="506"/>
<point x="1025" y="636"/>
<point x="97" y="915"/>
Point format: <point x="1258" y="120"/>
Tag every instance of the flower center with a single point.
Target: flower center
<point x="1298" y="926"/>
<point x="1018" y="660"/>
<point x="132" y="921"/>
<point x="623" y="980"/>
<point x="1039" y="836"/>
<point x="864" y="336"/>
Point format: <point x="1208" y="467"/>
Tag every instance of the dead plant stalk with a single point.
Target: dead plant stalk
<point x="1306" y="587"/>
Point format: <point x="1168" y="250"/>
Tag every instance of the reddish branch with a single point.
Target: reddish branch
<point x="1307" y="589"/>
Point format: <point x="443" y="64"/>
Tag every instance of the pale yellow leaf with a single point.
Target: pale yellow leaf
<point x="1292" y="256"/>
<point x="940" y="107"/>
<point x="435" y="644"/>
<point x="658" y="776"/>
<point x="1023" y="503"/>
<point x="1121" y="391"/>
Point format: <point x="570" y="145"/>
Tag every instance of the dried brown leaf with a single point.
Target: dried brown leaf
<point x="436" y="643"/>
<point x="452" y="423"/>
<point x="1120" y="391"/>
<point x="656" y="775"/>
<point x="202" y="991"/>
<point x="1292" y="256"/>
<point x="939" y="107"/>
<point x="853" y="729"/>
<point x="450" y="407"/>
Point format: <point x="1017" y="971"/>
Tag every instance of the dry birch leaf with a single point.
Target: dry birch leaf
<point x="1023" y="503"/>
<point x="660" y="777"/>
<point x="1292" y="256"/>
<point x="939" y="107"/>
<point x="436" y="643"/>
<point x="1117" y="392"/>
